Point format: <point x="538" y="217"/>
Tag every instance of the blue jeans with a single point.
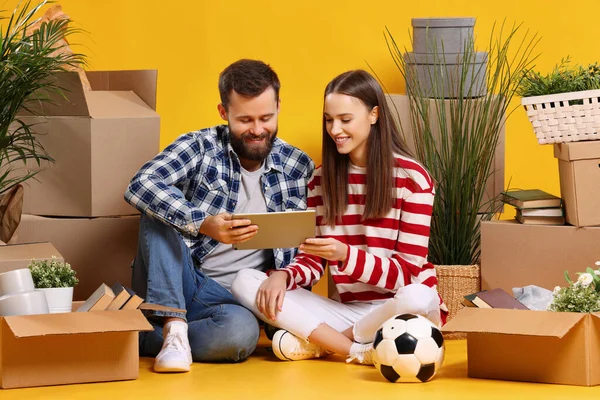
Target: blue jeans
<point x="219" y="328"/>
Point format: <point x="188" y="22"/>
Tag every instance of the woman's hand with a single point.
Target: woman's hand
<point x="327" y="248"/>
<point x="271" y="293"/>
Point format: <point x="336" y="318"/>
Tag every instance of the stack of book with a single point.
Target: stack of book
<point x="535" y="207"/>
<point x="117" y="297"/>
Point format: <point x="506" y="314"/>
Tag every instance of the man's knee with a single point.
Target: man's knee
<point x="154" y="227"/>
<point x="243" y="337"/>
<point x="234" y="339"/>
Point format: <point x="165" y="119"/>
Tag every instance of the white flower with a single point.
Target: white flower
<point x="556" y="290"/>
<point x="597" y="263"/>
<point x="597" y="272"/>
<point x="585" y="279"/>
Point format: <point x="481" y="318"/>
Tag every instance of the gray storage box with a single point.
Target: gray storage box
<point x="448" y="68"/>
<point x="442" y="35"/>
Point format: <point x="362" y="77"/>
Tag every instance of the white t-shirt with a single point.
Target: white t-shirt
<point x="223" y="263"/>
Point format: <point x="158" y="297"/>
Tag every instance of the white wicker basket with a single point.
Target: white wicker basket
<point x="555" y="121"/>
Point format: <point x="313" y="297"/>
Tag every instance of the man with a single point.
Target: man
<point x="187" y="195"/>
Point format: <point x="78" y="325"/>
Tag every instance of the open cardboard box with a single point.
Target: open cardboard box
<point x="20" y="255"/>
<point x="99" y="140"/>
<point x="531" y="346"/>
<point x="57" y="349"/>
<point x="578" y="164"/>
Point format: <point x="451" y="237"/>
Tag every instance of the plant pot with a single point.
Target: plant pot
<point x="442" y="35"/>
<point x="447" y="69"/>
<point x="11" y="209"/>
<point x="60" y="300"/>
<point x="564" y="117"/>
<point x="455" y="282"/>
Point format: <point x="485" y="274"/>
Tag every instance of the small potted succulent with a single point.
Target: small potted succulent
<point x="57" y="280"/>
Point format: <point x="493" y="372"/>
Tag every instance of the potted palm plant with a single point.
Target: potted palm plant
<point x="455" y="139"/>
<point x="32" y="51"/>
<point x="57" y="280"/>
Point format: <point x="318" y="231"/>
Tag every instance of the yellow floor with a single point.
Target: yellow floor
<point x="263" y="377"/>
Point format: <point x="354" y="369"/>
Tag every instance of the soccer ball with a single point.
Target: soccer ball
<point x="408" y="348"/>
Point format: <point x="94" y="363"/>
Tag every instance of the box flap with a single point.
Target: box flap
<point x="513" y="322"/>
<point x="584" y="150"/>
<point x="142" y="82"/>
<point x="74" y="105"/>
<point x="105" y="104"/>
<point x="74" y="322"/>
<point x="595" y="315"/>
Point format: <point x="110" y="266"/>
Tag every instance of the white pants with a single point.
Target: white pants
<point x="303" y="311"/>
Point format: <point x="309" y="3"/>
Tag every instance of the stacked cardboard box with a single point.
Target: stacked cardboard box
<point x="517" y="255"/>
<point x="99" y="140"/>
<point x="578" y="167"/>
<point x="98" y="249"/>
<point x="525" y="345"/>
<point x="19" y="255"/>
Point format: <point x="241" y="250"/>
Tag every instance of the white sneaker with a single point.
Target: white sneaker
<point x="288" y="347"/>
<point x="364" y="355"/>
<point x="176" y="355"/>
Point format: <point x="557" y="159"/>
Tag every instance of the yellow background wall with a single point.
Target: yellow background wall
<point x="309" y="42"/>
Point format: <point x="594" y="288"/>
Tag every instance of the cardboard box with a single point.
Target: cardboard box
<point x="56" y="349"/>
<point x="100" y="250"/>
<point x="400" y="107"/>
<point x="517" y="255"/>
<point x="578" y="168"/>
<point x="531" y="346"/>
<point x="18" y="256"/>
<point x="99" y="140"/>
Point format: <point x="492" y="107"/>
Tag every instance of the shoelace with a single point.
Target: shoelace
<point x="175" y="342"/>
<point x="303" y="348"/>
<point x="364" y="357"/>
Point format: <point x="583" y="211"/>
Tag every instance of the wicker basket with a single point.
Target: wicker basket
<point x="554" y="120"/>
<point x="455" y="282"/>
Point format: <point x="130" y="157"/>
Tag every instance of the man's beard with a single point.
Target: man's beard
<point x="252" y="153"/>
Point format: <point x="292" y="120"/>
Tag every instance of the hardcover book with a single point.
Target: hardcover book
<point x="99" y="300"/>
<point x="498" y="298"/>
<point x="534" y="198"/>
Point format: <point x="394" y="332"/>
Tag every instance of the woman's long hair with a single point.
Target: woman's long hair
<point x="383" y="142"/>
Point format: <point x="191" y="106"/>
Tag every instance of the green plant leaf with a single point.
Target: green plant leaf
<point x="563" y="78"/>
<point x="52" y="274"/>
<point x="567" y="278"/>
<point x="28" y="64"/>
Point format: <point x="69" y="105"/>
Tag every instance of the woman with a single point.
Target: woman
<point x="374" y="204"/>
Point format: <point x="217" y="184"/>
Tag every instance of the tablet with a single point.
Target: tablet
<point x="279" y="229"/>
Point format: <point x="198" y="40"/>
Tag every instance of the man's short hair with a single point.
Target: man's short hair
<point x="249" y="78"/>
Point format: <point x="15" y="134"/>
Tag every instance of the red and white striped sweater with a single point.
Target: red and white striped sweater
<point x="384" y="254"/>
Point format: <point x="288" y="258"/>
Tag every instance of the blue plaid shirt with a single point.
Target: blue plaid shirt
<point x="199" y="175"/>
